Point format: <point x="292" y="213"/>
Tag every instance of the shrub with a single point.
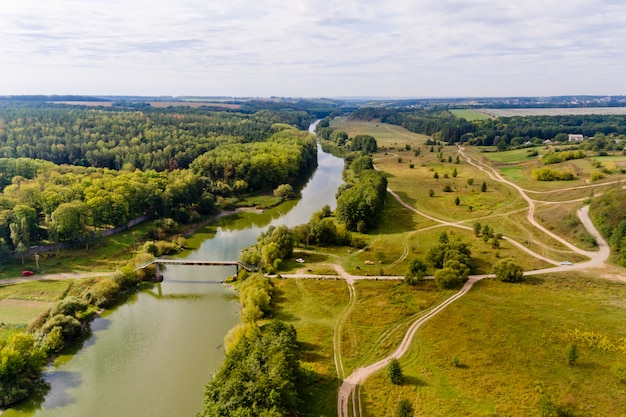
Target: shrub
<point x="68" y="325"/>
<point x="151" y="248"/>
<point x="394" y="372"/>
<point x="53" y="342"/>
<point x="507" y="270"/>
<point x="596" y="176"/>
<point x="103" y="292"/>
<point x="404" y="409"/>
<point x="284" y="191"/>
<point x="571" y="353"/>
<point x="547" y="174"/>
<point x="70" y="306"/>
<point x="126" y="278"/>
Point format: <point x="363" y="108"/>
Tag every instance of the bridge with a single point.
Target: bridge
<point x="158" y="261"/>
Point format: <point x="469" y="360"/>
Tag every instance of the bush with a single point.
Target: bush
<point x="394" y="372"/>
<point x="70" y="306"/>
<point x="284" y="191"/>
<point x="571" y="353"/>
<point x="448" y="278"/>
<point x="126" y="278"/>
<point x="415" y="272"/>
<point x="151" y="248"/>
<point x="21" y="363"/>
<point x="68" y="325"/>
<point x="507" y="270"/>
<point x="404" y="409"/>
<point x="547" y="174"/>
<point x="103" y="293"/>
<point x="54" y="342"/>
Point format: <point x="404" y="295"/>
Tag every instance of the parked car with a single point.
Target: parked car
<point x="27" y="273"/>
<point x="566" y="263"/>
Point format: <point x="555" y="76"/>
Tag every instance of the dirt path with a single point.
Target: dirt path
<point x="55" y="277"/>
<point x="350" y="384"/>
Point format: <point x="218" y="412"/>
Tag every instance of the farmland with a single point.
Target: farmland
<point x="552" y="111"/>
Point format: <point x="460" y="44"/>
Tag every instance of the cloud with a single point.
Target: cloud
<point x="313" y="47"/>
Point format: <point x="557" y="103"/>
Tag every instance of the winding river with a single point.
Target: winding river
<point x="153" y="355"/>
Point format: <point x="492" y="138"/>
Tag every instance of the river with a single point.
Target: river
<point x="153" y="355"/>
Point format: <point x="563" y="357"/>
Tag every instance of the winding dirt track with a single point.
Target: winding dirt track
<point x="350" y="384"/>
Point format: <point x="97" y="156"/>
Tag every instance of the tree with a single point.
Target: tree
<point x="446" y="278"/>
<point x="415" y="272"/>
<point x="507" y="270"/>
<point x="457" y="201"/>
<point x="69" y="219"/>
<point x="483" y="187"/>
<point x="571" y="353"/>
<point x="394" y="372"/>
<point x="470" y="181"/>
<point x="21" y="363"/>
<point x="454" y="172"/>
<point x="284" y="191"/>
<point x="436" y="176"/>
<point x="21" y="251"/>
<point x="404" y="409"/>
<point x="431" y="192"/>
<point x="477" y="227"/>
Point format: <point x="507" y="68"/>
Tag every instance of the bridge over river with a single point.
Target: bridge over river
<point x="159" y="261"/>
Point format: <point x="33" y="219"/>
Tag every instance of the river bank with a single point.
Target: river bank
<point x="169" y="339"/>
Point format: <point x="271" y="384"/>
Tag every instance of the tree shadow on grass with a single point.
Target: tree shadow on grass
<point x="413" y="381"/>
<point x="309" y="352"/>
<point x="279" y="313"/>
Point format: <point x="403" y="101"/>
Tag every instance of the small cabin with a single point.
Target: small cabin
<point x="575" y="138"/>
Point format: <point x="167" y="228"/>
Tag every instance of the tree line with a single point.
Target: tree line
<point x="609" y="214"/>
<point x="503" y="132"/>
<point x="114" y="139"/>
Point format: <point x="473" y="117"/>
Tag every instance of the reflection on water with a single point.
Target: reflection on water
<point x="153" y="355"/>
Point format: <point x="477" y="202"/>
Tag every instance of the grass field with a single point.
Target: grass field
<point x="552" y="111"/>
<point x="470" y="115"/>
<point x="23" y="303"/>
<point x="510" y="346"/>
<point x="500" y="207"/>
<point x="313" y="306"/>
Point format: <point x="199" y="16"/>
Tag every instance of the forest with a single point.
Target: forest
<point x="503" y="132"/>
<point x="67" y="173"/>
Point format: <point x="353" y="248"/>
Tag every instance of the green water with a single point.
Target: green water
<point x="153" y="355"/>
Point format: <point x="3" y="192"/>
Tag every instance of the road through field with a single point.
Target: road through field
<point x="349" y="385"/>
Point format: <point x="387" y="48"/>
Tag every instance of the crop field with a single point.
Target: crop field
<point x="192" y="104"/>
<point x="552" y="111"/>
<point x="470" y="115"/>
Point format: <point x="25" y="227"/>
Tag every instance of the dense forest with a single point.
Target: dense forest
<point x="66" y="173"/>
<point x="503" y="132"/>
<point x="159" y="140"/>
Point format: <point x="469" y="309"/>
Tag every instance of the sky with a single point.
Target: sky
<point x="313" y="48"/>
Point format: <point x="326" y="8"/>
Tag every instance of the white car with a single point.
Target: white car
<point x="566" y="263"/>
<point x="300" y="260"/>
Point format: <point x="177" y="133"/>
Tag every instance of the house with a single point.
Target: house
<point x="547" y="142"/>
<point x="575" y="138"/>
